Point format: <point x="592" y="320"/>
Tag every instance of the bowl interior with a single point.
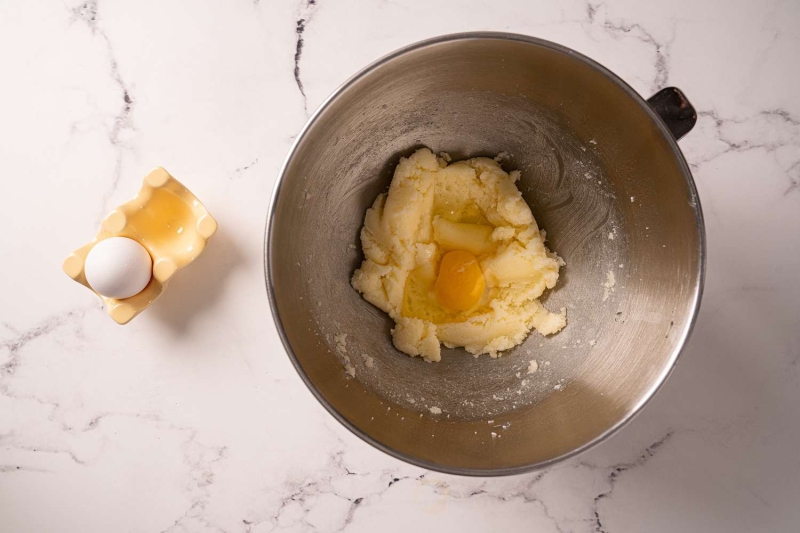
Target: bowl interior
<point x="603" y="179"/>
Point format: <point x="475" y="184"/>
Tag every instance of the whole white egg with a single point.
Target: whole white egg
<point x="118" y="267"/>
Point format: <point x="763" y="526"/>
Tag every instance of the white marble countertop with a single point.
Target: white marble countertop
<point x="191" y="418"/>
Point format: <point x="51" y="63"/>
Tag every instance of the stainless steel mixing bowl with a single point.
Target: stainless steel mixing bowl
<point x="604" y="176"/>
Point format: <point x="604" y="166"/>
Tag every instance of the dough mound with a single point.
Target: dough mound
<point x="476" y="205"/>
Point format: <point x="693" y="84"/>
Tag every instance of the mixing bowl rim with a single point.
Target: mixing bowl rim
<point x="676" y="352"/>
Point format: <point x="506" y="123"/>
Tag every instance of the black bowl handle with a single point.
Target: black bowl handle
<point x="675" y="110"/>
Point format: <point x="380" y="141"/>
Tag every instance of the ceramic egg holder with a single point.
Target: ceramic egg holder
<point x="171" y="224"/>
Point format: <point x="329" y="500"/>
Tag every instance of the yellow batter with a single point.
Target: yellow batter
<point x="454" y="256"/>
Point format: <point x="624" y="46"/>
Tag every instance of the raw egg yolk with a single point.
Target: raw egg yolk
<point x="460" y="283"/>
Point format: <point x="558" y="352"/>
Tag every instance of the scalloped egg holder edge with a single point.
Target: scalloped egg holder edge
<point x="165" y="262"/>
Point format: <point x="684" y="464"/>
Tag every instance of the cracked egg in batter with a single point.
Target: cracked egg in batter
<point x="454" y="256"/>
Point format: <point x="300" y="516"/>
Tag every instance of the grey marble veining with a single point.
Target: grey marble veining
<point x="192" y="419"/>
